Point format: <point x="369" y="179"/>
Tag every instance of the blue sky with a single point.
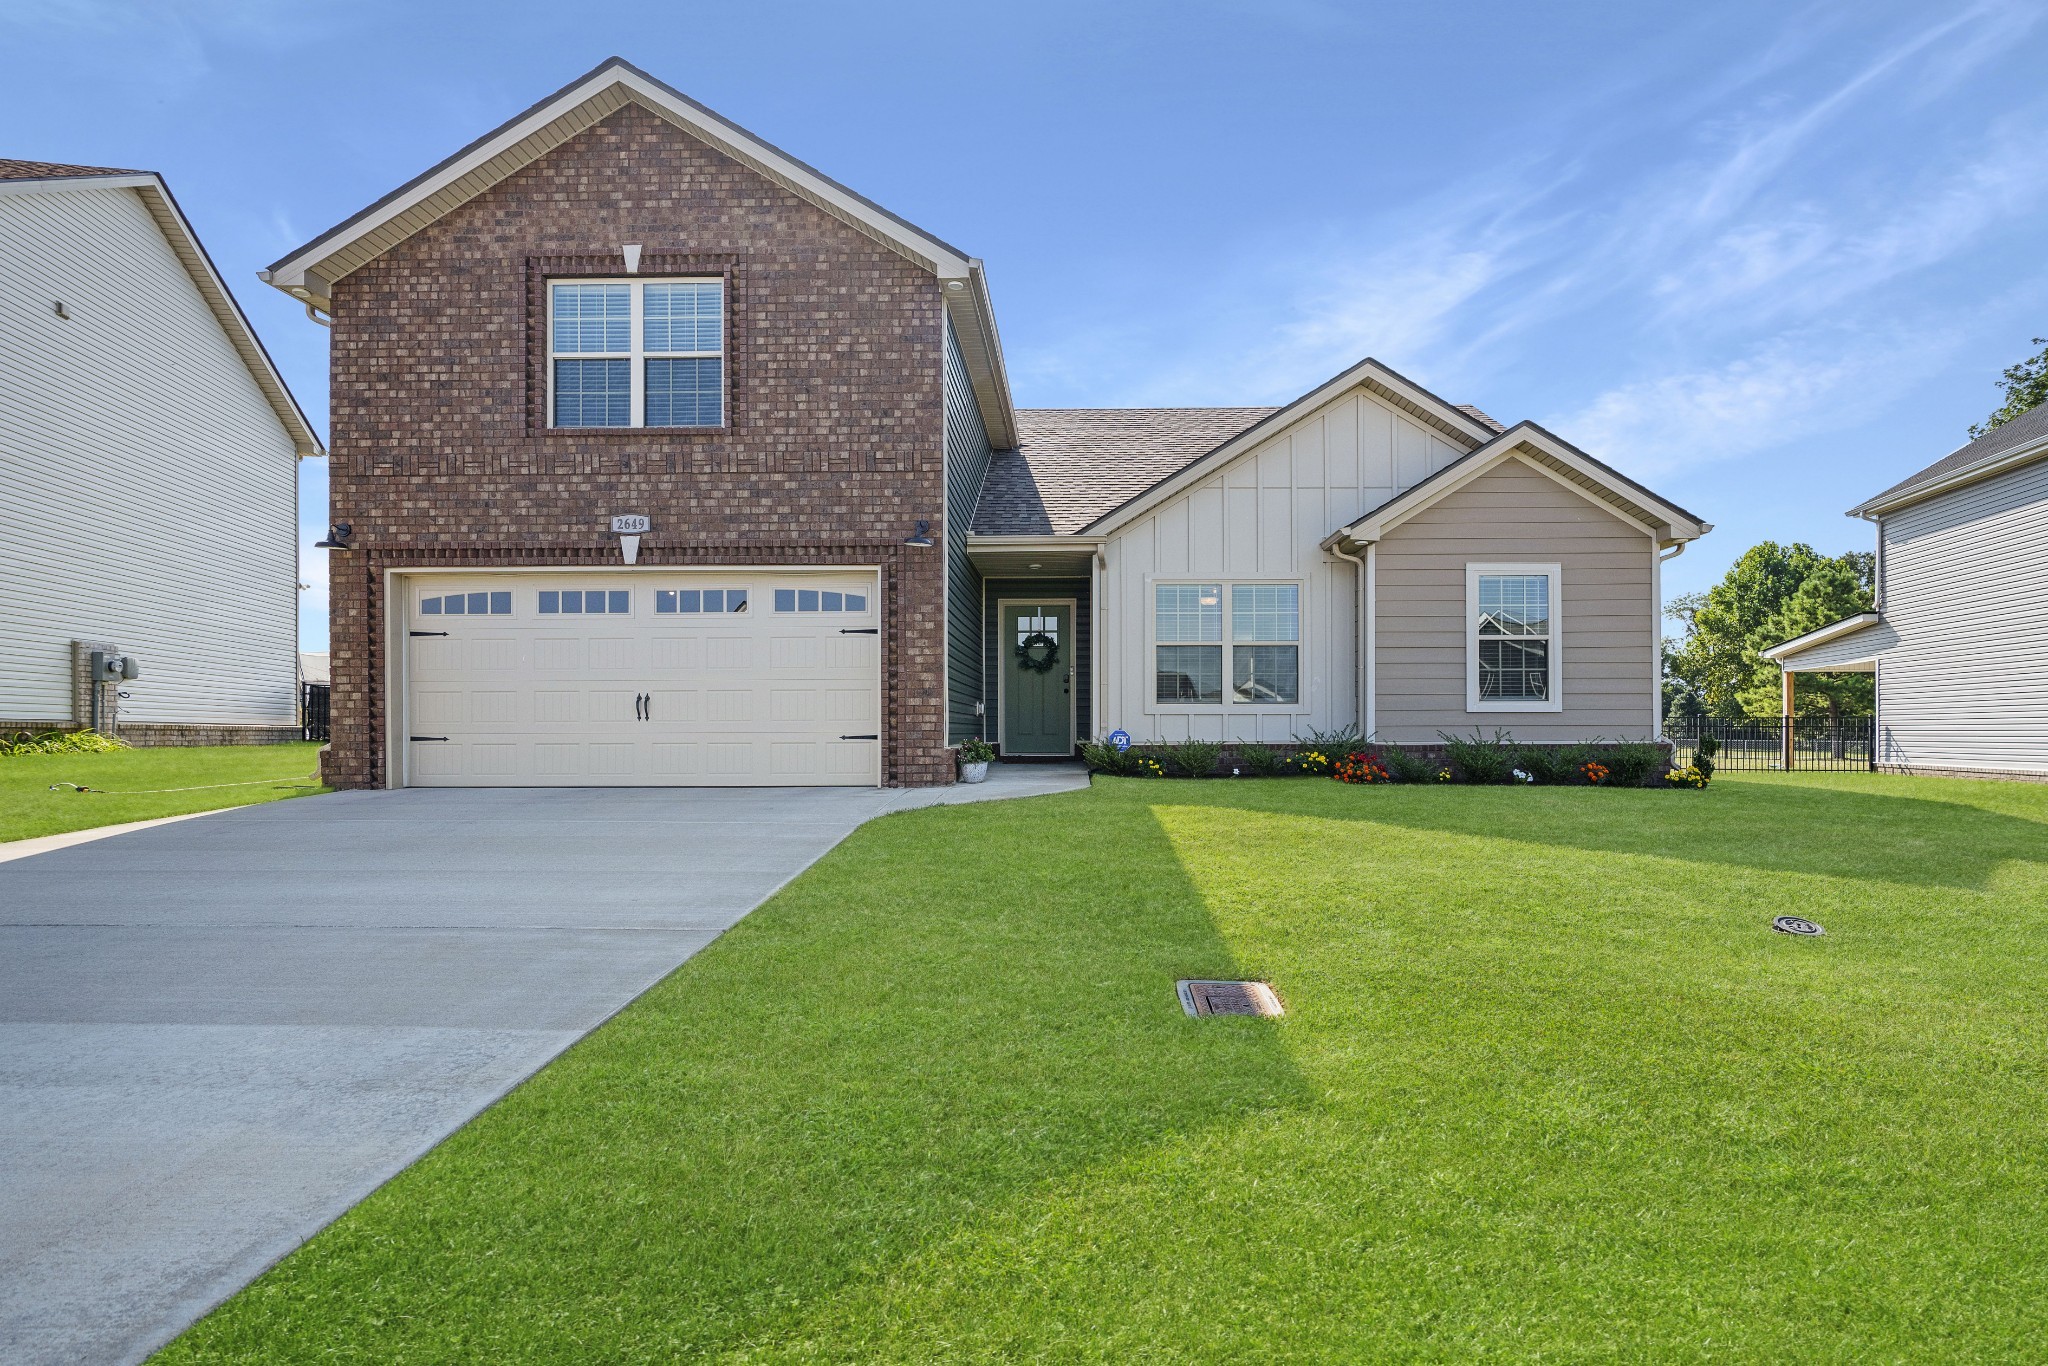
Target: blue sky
<point x="1767" y="257"/>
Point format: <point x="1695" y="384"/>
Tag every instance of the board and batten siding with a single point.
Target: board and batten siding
<point x="1262" y="516"/>
<point x="1963" y="579"/>
<point x="1515" y="514"/>
<point x="967" y="457"/>
<point x="148" y="492"/>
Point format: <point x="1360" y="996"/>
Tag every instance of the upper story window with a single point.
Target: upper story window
<point x="1263" y="644"/>
<point x="636" y="353"/>
<point x="1512" y="661"/>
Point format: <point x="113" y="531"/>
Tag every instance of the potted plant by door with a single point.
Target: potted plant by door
<point x="975" y="755"/>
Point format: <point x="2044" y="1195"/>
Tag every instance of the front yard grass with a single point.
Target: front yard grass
<point x="133" y="779"/>
<point x="1548" y="1087"/>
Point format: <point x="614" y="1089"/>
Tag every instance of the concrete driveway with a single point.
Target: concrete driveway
<point x="217" y="1035"/>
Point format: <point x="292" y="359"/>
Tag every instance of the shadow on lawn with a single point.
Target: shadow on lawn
<point x="1772" y="827"/>
<point x="954" y="1010"/>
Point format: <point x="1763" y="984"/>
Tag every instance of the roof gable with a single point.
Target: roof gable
<point x="309" y="273"/>
<point x="24" y="177"/>
<point x="1446" y="419"/>
<point x="2021" y="441"/>
<point x="1549" y="454"/>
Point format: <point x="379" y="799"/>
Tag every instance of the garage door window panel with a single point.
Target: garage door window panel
<point x="592" y="601"/>
<point x="699" y="601"/>
<point x="803" y="600"/>
<point x="487" y="604"/>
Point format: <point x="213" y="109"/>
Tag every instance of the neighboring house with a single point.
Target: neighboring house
<point x="846" y="550"/>
<point x="1957" y="635"/>
<point x="148" y="471"/>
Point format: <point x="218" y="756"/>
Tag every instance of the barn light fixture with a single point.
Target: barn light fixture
<point x="921" y="536"/>
<point x="336" y="538"/>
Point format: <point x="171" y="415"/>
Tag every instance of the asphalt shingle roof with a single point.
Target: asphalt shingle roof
<point x="2028" y="427"/>
<point x="1072" y="465"/>
<point x="11" y="169"/>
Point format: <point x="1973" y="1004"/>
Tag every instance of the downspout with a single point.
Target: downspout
<point x="1657" y="563"/>
<point x="1365" y="717"/>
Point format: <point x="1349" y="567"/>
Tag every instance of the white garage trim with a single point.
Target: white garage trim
<point x="524" y="625"/>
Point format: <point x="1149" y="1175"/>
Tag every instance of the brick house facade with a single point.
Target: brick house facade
<point x="831" y="451"/>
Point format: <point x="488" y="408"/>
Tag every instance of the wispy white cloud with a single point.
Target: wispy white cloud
<point x="1785" y="389"/>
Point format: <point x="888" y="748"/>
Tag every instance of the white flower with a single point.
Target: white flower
<point x="1522" y="777"/>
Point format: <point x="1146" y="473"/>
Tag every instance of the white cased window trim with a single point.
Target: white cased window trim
<point x="1555" y="638"/>
<point x="637" y="355"/>
<point x="1301" y="706"/>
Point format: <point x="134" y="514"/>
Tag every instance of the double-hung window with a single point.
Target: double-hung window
<point x="1512" y="656"/>
<point x="1263" y="644"/>
<point x="636" y="353"/>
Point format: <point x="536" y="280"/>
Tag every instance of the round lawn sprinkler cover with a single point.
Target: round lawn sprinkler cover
<point x="1792" y="924"/>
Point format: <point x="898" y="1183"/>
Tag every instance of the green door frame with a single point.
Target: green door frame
<point x="1005" y="649"/>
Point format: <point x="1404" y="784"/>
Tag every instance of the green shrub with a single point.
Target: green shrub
<point x="1262" y="760"/>
<point x="1480" y="760"/>
<point x="1103" y="757"/>
<point x="977" y="751"/>
<point x="1552" y="763"/>
<point x="1703" y="755"/>
<point x="60" y="742"/>
<point x="1335" y="743"/>
<point x="1634" y="763"/>
<point x="1406" y="767"/>
<point x="1192" y="758"/>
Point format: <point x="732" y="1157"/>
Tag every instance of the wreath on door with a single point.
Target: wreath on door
<point x="1038" y="664"/>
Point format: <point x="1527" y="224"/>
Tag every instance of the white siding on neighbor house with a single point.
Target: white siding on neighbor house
<point x="1263" y="516"/>
<point x="1515" y="514"/>
<point x="1857" y="647"/>
<point x="148" y="492"/>
<point x="1964" y="577"/>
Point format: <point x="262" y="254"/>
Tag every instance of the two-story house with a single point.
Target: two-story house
<point x="148" y="473"/>
<point x="666" y="459"/>
<point x="1962" y="553"/>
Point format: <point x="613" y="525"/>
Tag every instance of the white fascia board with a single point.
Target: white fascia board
<point x="1279" y="421"/>
<point x="291" y="274"/>
<point x="2009" y="460"/>
<point x="76" y="182"/>
<point x="206" y="278"/>
<point x="1376" y="523"/>
<point x="1834" y="630"/>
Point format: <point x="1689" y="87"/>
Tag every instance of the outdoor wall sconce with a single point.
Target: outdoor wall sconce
<point x="337" y="538"/>
<point x="921" y="536"/>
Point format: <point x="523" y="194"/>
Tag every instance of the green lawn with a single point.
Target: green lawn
<point x="133" y="779"/>
<point x="1548" y="1087"/>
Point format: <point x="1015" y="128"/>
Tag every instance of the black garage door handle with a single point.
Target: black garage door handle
<point x="426" y="633"/>
<point x="860" y="737"/>
<point x="426" y="737"/>
<point x="860" y="630"/>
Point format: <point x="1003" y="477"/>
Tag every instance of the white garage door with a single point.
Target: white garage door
<point x="643" y="678"/>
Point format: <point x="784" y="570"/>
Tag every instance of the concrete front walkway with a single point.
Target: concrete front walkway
<point x="217" y="1035"/>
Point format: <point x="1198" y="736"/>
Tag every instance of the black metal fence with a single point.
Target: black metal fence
<point x="1759" y="742"/>
<point x="313" y="710"/>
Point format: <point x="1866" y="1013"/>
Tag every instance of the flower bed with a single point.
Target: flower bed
<point x="1477" y="758"/>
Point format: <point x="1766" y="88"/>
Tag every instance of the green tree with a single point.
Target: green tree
<point x="1835" y="589"/>
<point x="2025" y="386"/>
<point x="1715" y="664"/>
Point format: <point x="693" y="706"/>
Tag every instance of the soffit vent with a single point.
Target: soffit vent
<point x="1199" y="997"/>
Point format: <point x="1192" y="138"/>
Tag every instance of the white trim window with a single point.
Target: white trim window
<point x="1513" y="637"/>
<point x="636" y="353"/>
<point x="1263" y="645"/>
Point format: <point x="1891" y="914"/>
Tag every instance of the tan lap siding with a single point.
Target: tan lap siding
<point x="1515" y="514"/>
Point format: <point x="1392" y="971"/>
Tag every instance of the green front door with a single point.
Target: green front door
<point x="1038" y="703"/>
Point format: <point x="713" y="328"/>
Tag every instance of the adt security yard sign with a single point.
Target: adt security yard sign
<point x="1120" y="740"/>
